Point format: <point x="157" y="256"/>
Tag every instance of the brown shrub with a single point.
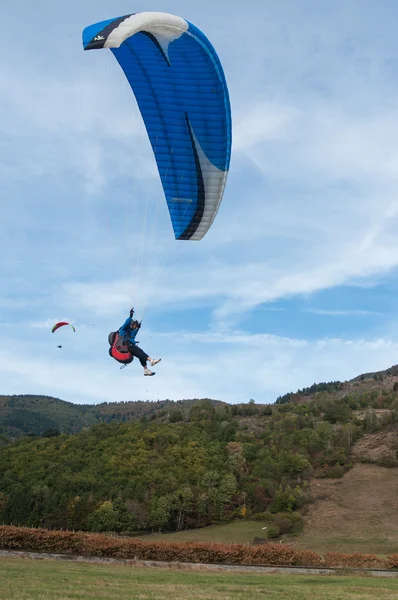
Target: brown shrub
<point x="67" y="542"/>
<point x="356" y="560"/>
<point x="309" y="558"/>
<point x="393" y="560"/>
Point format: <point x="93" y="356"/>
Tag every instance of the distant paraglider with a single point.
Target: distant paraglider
<point x="61" y="324"/>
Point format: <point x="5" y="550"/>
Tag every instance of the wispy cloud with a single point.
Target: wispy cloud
<point x="344" y="313"/>
<point x="233" y="367"/>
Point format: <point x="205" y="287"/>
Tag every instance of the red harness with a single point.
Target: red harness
<point x="118" y="349"/>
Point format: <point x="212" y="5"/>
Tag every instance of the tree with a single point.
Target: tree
<point x="18" y="506"/>
<point x="370" y="422"/>
<point x="176" y="416"/>
<point x="236" y="460"/>
<point x="226" y="490"/>
<point x="51" y="432"/>
<point x="124" y="518"/>
<point x="284" y="501"/>
<point x="105" y="518"/>
<point x="160" y="512"/>
<point x="293" y="464"/>
<point x="181" y="504"/>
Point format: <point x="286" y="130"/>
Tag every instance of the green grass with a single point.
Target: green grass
<point x="238" y="532"/>
<point x="29" y="579"/>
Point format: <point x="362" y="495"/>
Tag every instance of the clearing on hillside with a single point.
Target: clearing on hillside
<point x="357" y="513"/>
<point x="379" y="447"/>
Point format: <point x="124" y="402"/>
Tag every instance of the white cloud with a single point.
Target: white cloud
<point x="266" y="122"/>
<point x="332" y="142"/>
<point x="348" y="313"/>
<point x="60" y="122"/>
<point x="233" y="368"/>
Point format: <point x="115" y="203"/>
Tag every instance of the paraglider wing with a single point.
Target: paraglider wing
<point x="61" y="324"/>
<point x="180" y="87"/>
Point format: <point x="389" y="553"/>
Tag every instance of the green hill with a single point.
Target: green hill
<point x="171" y="466"/>
<point x="37" y="415"/>
<point x="34" y="414"/>
<point x="28" y="414"/>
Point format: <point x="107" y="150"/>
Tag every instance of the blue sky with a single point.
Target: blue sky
<point x="295" y="283"/>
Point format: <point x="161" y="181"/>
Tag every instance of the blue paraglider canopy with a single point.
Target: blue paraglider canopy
<point x="181" y="91"/>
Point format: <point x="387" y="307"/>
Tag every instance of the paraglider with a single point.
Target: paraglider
<point x="181" y="91"/>
<point x="124" y="345"/>
<point x="61" y="324"/>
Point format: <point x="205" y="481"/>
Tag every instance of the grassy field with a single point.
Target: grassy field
<point x="239" y="532"/>
<point x="28" y="579"/>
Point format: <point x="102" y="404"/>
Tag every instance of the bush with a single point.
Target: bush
<point x="387" y="461"/>
<point x="393" y="560"/>
<point x="84" y="544"/>
<point x="298" y="522"/>
<point x="355" y="560"/>
<point x="273" y="532"/>
<point x="258" y="553"/>
<point x="283" y="523"/>
<point x="284" y="501"/>
<point x="288" y="522"/>
<point x="262" y="516"/>
<point x="308" y="558"/>
<point x="335" y="472"/>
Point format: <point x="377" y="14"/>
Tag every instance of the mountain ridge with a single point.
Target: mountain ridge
<point x="24" y="414"/>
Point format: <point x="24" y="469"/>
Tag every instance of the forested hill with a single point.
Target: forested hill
<point x="374" y="381"/>
<point x="194" y="463"/>
<point x="44" y="415"/>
